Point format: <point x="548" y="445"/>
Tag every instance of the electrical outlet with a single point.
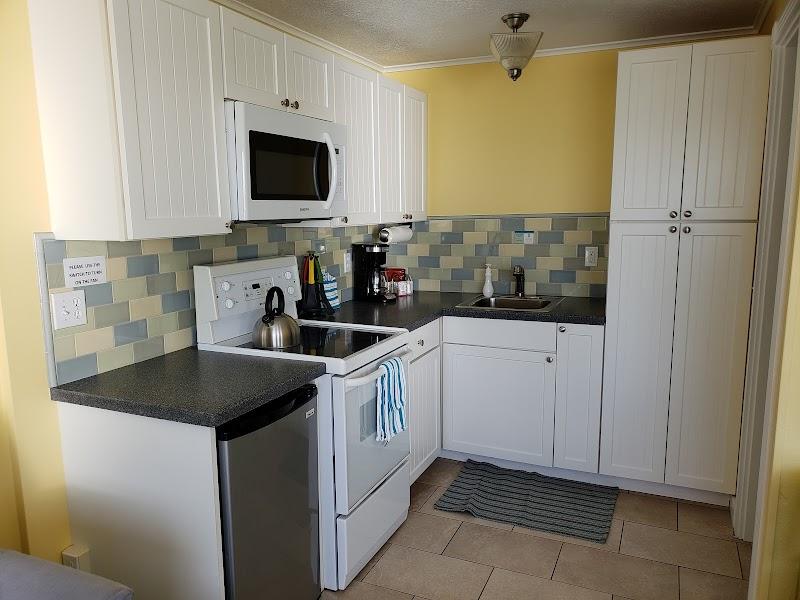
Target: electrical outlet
<point x="590" y="258"/>
<point x="348" y="261"/>
<point x="68" y="309"/>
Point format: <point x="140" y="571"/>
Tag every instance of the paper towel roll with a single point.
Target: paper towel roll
<point x="395" y="235"/>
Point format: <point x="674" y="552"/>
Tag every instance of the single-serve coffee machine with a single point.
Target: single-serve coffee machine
<point x="368" y="278"/>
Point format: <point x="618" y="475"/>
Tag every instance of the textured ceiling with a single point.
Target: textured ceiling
<point x="396" y="32"/>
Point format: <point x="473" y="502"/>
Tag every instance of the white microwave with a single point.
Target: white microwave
<point x="283" y="166"/>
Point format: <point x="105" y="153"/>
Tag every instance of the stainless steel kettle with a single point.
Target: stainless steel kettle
<point x="275" y="330"/>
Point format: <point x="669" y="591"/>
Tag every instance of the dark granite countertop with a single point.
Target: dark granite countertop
<point x="412" y="312"/>
<point x="191" y="386"/>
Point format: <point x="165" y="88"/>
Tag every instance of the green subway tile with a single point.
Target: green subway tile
<point x="427" y="237"/>
<point x="147" y="349"/>
<point x="128" y="289"/>
<point x="268" y="249"/>
<point x="440" y="225"/>
<point x="156" y="246"/>
<point x="550" y="263"/>
<point x="173" y="261"/>
<point x="200" y="257"/>
<point x="428" y="285"/>
<point x="578" y="237"/>
<point x="186" y="318"/>
<point x="162" y="324"/>
<point x="77" y="248"/>
<point x="575" y="289"/>
<point x="55" y="276"/>
<point x="472" y="287"/>
<point x="212" y="241"/>
<point x="512" y="250"/>
<point x="539" y="224"/>
<point x="161" y="284"/>
<point x="463" y="225"/>
<point x="294" y="234"/>
<point x="64" y="347"/>
<point x="476" y="237"/>
<point x="225" y="254"/>
<point x="111" y="314"/>
<point x="303" y="246"/>
<point x="462" y="250"/>
<point x="256" y="235"/>
<point x="563" y="250"/>
<point x="487" y="225"/>
<point x="592" y="223"/>
<point x="237" y="237"/>
<point x="124" y="248"/>
<point x="108" y="360"/>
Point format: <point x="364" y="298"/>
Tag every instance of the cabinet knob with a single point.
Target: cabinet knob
<point x="687" y="229"/>
<point x="673" y="214"/>
<point x="562" y="329"/>
<point x="295" y="105"/>
<point x="687" y="213"/>
<point x="421" y="342"/>
<point x="285" y="102"/>
<point x="673" y="229"/>
<point x="549" y="359"/>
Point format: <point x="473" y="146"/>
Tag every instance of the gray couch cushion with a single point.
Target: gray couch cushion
<point x="24" y="577"/>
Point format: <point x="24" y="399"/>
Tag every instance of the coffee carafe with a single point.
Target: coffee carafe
<point x="368" y="279"/>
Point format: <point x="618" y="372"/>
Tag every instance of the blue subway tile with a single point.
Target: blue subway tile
<point x="502" y="287"/>
<point x="98" y="294"/>
<point x="187" y="243"/>
<point x="54" y="251"/>
<point x="138" y="266"/>
<point x="440" y="250"/>
<point x="346" y="294"/>
<point x="548" y="289"/>
<point x="512" y="223"/>
<point x="432" y="262"/>
<point x="551" y="237"/>
<point x="245" y="252"/>
<point x="420" y="227"/>
<point x="449" y="237"/>
<point x="127" y="333"/>
<point x="525" y="262"/>
<point x="334" y="270"/>
<point x="175" y="301"/>
<point x="398" y="249"/>
<point x="450" y="286"/>
<point x="462" y="274"/>
<point x="201" y="257"/>
<point x="487" y="250"/>
<point x="562" y="276"/>
<point x="76" y="368"/>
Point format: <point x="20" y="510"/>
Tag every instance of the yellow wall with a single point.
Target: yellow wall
<point x="772" y="15"/>
<point x="29" y="419"/>
<point x="540" y="144"/>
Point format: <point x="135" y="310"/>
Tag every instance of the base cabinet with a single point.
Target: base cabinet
<point x="499" y="403"/>
<point x="425" y="411"/>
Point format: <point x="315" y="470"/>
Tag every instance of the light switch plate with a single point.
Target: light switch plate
<point x="68" y="308"/>
<point x="590" y="258"/>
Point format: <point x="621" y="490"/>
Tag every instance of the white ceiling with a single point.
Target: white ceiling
<point x="398" y="32"/>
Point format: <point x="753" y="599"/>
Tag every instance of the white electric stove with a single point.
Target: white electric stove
<point x="364" y="484"/>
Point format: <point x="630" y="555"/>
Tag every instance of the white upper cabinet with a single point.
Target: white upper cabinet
<point x="726" y="128"/>
<point x="708" y="361"/>
<point x="415" y="159"/>
<point x="264" y="66"/>
<point x="650" y="133"/>
<point x="169" y="79"/>
<point x="390" y="150"/>
<point x="255" y="64"/>
<point x="642" y="272"/>
<point x="309" y="79"/>
<point x="579" y="386"/>
<point x="356" y="107"/>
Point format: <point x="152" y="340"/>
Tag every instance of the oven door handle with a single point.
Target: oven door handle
<point x="374" y="376"/>
<point x="334" y="169"/>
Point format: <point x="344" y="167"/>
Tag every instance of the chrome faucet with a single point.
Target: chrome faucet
<point x="519" y="276"/>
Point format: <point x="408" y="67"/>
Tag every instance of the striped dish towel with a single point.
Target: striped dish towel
<point x="331" y="289"/>
<point x="391" y="400"/>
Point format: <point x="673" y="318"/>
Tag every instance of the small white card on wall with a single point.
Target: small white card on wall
<point x="85" y="270"/>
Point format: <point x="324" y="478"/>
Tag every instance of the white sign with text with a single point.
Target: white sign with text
<point x="85" y="270"/>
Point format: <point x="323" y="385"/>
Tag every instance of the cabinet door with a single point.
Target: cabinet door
<point x="425" y="411"/>
<point x="642" y="273"/>
<point x="390" y="150"/>
<point x="499" y="403"/>
<point x="309" y="79"/>
<point x="725" y="132"/>
<point x="650" y="133"/>
<point x="254" y="56"/>
<point x="356" y="105"/>
<point x="579" y="386"/>
<point x="708" y="361"/>
<point x="168" y="75"/>
<point x="415" y="155"/>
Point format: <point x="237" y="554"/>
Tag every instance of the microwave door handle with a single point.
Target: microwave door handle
<point x="315" y="174"/>
<point x="334" y="169"/>
<point x="374" y="376"/>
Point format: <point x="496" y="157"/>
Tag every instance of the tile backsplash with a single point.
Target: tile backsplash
<point x="451" y="254"/>
<point x="146" y="308"/>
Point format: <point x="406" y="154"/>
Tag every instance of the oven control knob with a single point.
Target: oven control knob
<point x="229" y="303"/>
<point x="290" y="290"/>
<point x="226" y="286"/>
<point x="287" y="275"/>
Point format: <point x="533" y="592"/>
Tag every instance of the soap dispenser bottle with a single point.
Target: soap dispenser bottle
<point x="488" y="289"/>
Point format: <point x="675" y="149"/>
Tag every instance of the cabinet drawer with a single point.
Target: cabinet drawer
<point x="425" y="338"/>
<point x="499" y="333"/>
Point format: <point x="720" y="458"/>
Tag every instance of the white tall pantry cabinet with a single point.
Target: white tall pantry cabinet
<point x="688" y="151"/>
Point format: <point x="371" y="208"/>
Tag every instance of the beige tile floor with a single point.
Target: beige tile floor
<point x="658" y="548"/>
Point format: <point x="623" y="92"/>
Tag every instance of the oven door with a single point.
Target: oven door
<point x="287" y="166"/>
<point x="361" y="463"/>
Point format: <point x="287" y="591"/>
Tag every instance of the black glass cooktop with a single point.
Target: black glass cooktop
<point x="331" y="342"/>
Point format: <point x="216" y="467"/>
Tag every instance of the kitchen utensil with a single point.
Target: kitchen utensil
<point x="275" y="330"/>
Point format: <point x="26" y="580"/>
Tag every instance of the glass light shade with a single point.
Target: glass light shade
<point x="514" y="50"/>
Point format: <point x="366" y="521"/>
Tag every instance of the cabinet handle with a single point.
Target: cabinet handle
<point x="673" y="229"/>
<point x="285" y="102"/>
<point x="673" y="214"/>
<point x="295" y="105"/>
<point x="562" y="329"/>
<point x="687" y="213"/>
<point x="549" y="359"/>
<point x="687" y="229"/>
<point x="421" y="342"/>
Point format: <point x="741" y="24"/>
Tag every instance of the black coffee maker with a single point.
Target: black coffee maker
<point x="368" y="279"/>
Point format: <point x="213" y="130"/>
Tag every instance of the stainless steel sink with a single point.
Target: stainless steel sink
<point x="528" y="303"/>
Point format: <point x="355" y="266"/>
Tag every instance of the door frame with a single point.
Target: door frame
<point x="768" y="313"/>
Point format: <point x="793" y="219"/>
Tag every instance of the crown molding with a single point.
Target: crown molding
<point x="253" y="13"/>
<point x="618" y="45"/>
<point x="762" y="15"/>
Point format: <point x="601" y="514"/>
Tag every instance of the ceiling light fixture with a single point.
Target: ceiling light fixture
<point x="514" y="50"/>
